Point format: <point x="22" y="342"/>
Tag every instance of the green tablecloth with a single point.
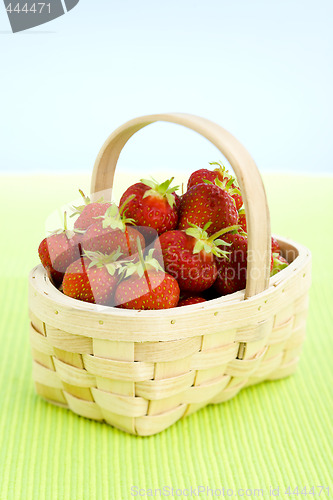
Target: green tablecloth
<point x="276" y="434"/>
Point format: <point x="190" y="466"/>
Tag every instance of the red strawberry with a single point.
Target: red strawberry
<point x="231" y="275"/>
<point x="93" y="278"/>
<point x="242" y="220"/>
<point x="275" y="246"/>
<point x="199" y="176"/>
<point x="189" y="257"/>
<point x="112" y="231"/>
<point x="161" y="291"/>
<point x="149" y="234"/>
<point x="279" y="263"/>
<point x="58" y="251"/>
<point x="185" y="294"/>
<point x="148" y="286"/>
<point x="243" y="225"/>
<point x="232" y="270"/>
<point x="191" y="300"/>
<point x="153" y="205"/>
<point x="221" y="177"/>
<point x="204" y="203"/>
<point x="229" y="183"/>
<point x="89" y="212"/>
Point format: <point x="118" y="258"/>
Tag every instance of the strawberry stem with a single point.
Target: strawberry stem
<point x="140" y="252"/>
<point x="86" y="199"/>
<point x="82" y="261"/>
<point x="142" y="261"/>
<point x="223" y="231"/>
<point x="128" y="241"/>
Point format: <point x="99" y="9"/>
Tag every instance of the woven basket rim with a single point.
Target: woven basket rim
<point x="57" y="296"/>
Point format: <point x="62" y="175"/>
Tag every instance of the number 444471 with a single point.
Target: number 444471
<point x="35" y="8"/>
<point x="315" y="490"/>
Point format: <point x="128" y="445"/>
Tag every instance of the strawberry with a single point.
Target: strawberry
<point x="242" y="219"/>
<point x="149" y="234"/>
<point x="89" y="212"/>
<point x="111" y="231"/>
<point x="161" y="291"/>
<point x="189" y="256"/>
<point x="275" y="246"/>
<point x="185" y="294"/>
<point x="204" y="203"/>
<point x="199" y="176"/>
<point x="231" y="275"/>
<point x="147" y="286"/>
<point x="153" y="205"/>
<point x="93" y="278"/>
<point x="229" y="183"/>
<point x="243" y="225"/>
<point x="279" y="263"/>
<point x="191" y="300"/>
<point x="58" y="251"/>
<point x="219" y="176"/>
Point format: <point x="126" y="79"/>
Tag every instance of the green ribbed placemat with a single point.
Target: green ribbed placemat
<point x="276" y="434"/>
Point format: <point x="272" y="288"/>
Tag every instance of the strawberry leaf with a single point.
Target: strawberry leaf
<point x="207" y="247"/>
<point x="222" y="242"/>
<point x="152" y="183"/>
<point x="207" y="225"/>
<point x="198" y="247"/>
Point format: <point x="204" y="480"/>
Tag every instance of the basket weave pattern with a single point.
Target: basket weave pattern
<point x="143" y="387"/>
<point x="141" y="371"/>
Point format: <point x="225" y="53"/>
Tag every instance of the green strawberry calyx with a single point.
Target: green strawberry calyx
<point x="164" y="190"/>
<point x="99" y="259"/>
<point x="224" y="173"/>
<point x="115" y="217"/>
<point x="278" y="265"/>
<point x="209" y="244"/>
<point x="77" y="210"/>
<point x="141" y="266"/>
<point x="229" y="183"/>
<point x="144" y="264"/>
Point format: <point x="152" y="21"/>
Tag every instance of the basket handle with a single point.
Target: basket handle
<point x="248" y="177"/>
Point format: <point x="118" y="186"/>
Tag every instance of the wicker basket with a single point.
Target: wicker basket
<point x="141" y="371"/>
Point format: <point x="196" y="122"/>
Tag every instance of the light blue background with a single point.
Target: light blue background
<point x="261" y="69"/>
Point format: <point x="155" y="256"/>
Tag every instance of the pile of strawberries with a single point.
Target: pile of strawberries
<point x="157" y="250"/>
